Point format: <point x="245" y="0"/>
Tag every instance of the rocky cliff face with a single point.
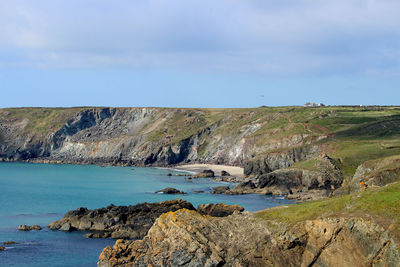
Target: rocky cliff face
<point x="186" y="238"/>
<point x="131" y="222"/>
<point x="319" y="180"/>
<point x="374" y="173"/>
<point x="117" y="221"/>
<point x="280" y="160"/>
<point x="142" y="136"/>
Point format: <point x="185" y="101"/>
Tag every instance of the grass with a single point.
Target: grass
<point x="309" y="165"/>
<point x="352" y="153"/>
<point x="39" y="121"/>
<point x="355" y="134"/>
<point x="381" y="204"/>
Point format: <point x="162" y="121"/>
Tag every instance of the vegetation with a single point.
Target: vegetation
<point x="382" y="204"/>
<point x="39" y="121"/>
<point x="349" y="134"/>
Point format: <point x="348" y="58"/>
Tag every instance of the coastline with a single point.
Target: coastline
<point x="234" y="171"/>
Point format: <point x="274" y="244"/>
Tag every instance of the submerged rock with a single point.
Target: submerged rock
<point x="170" y="191"/>
<point x="130" y="222"/>
<point x="10" y="243"/>
<point x="29" y="228"/>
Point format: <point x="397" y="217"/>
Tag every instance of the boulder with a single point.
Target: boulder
<point x="170" y="191"/>
<point x="10" y="243"/>
<point x="242" y="188"/>
<point x="2" y="248"/>
<point x="65" y="227"/>
<point x="205" y="174"/>
<point x="219" y="210"/>
<point x="220" y="189"/>
<point x="198" y="191"/>
<point x="225" y="173"/>
<point x="29" y="228"/>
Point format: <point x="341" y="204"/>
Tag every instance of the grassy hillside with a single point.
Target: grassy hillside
<point x="381" y="204"/>
<point x="350" y="135"/>
<point x="39" y="121"/>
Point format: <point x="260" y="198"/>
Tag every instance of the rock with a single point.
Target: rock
<point x="170" y="191"/>
<point x="219" y="189"/>
<point x="131" y="222"/>
<point x="2" y="248"/>
<point x="169" y="174"/>
<point x="299" y="184"/>
<point x="65" y="227"/>
<point x="186" y="238"/>
<point x="243" y="188"/>
<point x="280" y="160"/>
<point x="379" y="172"/>
<point x="10" y="243"/>
<point x="29" y="228"/>
<point x="225" y="173"/>
<point x="198" y="191"/>
<point x="219" y="210"/>
<point x="98" y="234"/>
<point x="205" y="174"/>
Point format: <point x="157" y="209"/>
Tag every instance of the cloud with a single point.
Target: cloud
<point x="297" y="37"/>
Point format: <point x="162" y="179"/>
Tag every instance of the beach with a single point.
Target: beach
<point x="217" y="169"/>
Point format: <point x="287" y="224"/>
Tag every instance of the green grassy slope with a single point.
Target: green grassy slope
<point x="382" y="204"/>
<point x="355" y="134"/>
<point x="39" y="121"/>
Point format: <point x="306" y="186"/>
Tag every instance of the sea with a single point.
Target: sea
<point x="41" y="193"/>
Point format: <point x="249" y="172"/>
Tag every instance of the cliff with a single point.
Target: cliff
<point x="343" y="231"/>
<point x="280" y="148"/>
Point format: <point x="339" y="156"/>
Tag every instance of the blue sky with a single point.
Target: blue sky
<point x="209" y="53"/>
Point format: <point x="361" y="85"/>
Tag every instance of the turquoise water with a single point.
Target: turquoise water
<point x="41" y="193"/>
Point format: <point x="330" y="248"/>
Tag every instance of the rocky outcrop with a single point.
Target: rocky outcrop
<point x="302" y="184"/>
<point x="170" y="191"/>
<point x="225" y="173"/>
<point x="378" y="172"/>
<point x="29" y="227"/>
<point x="220" y="189"/>
<point x="374" y="173"/>
<point x="280" y="160"/>
<point x="130" y="222"/>
<point x="186" y="238"/>
<point x="117" y="221"/>
<point x="205" y="174"/>
<point x="218" y="210"/>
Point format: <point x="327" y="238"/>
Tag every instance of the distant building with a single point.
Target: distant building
<point x="312" y="104"/>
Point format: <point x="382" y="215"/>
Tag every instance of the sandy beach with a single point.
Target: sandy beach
<point x="232" y="170"/>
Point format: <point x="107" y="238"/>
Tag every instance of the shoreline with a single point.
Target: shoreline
<point x="234" y="171"/>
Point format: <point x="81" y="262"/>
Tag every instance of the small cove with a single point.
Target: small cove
<point x="42" y="193"/>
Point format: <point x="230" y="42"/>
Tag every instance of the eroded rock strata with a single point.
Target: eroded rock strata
<point x="131" y="222"/>
<point x="118" y="221"/>
<point x="148" y="137"/>
<point x="186" y="238"/>
<point x="301" y="184"/>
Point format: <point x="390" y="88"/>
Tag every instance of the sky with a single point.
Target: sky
<point x="205" y="53"/>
